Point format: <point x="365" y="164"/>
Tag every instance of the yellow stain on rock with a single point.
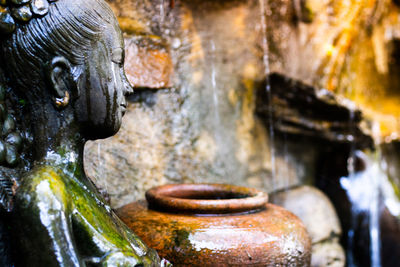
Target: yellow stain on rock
<point x="187" y="25"/>
<point x="132" y="26"/>
<point x="352" y="47"/>
<point x="206" y="147"/>
<point x="197" y="77"/>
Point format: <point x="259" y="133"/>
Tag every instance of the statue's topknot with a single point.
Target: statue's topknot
<point x="20" y="11"/>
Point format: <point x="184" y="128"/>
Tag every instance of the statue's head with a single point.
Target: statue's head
<point x="66" y="56"/>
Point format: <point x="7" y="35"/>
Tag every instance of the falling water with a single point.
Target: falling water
<point x="263" y="5"/>
<point x="374" y="230"/>
<point x="363" y="189"/>
<point x="351" y="172"/>
<point x="162" y="12"/>
<point x="214" y="86"/>
<point x="100" y="165"/>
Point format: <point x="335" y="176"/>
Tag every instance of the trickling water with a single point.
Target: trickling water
<point x="285" y="175"/>
<point x="263" y="6"/>
<point x="162" y="12"/>
<point x="351" y="172"/>
<point x="214" y="86"/>
<point x="363" y="188"/>
<point x="374" y="229"/>
<point x="100" y="165"/>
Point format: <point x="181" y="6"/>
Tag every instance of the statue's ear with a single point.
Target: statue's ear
<point x="59" y="74"/>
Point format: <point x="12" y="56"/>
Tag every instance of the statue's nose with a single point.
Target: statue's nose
<point x="128" y="89"/>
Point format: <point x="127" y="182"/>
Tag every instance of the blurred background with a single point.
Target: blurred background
<point x="299" y="98"/>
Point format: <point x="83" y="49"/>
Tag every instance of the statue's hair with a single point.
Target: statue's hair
<point x="68" y="29"/>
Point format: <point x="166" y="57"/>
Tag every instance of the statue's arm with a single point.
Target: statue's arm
<point x="107" y="241"/>
<point x="42" y="222"/>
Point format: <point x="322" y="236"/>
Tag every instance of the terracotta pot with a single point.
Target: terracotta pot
<point x="218" y="225"/>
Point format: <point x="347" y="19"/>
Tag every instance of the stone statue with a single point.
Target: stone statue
<point x="62" y="82"/>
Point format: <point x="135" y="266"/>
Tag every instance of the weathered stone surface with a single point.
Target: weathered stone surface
<point x="203" y="129"/>
<point x="390" y="238"/>
<point x="302" y="110"/>
<point x="319" y="216"/>
<point x="328" y="254"/>
<point x="313" y="208"/>
<point x="348" y="48"/>
<point x="391" y="157"/>
<point x="135" y="16"/>
<point x="148" y="63"/>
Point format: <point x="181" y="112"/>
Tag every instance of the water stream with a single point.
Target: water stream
<point x="351" y="172"/>
<point x="263" y="6"/>
<point x="162" y="12"/>
<point x="364" y="188"/>
<point x="215" y="92"/>
<point x="100" y="167"/>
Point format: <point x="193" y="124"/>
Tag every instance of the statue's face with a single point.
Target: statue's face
<point x="103" y="85"/>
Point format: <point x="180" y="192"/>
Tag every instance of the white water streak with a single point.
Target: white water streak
<point x="263" y="6"/>
<point x="363" y="189"/>
<point x="214" y="86"/>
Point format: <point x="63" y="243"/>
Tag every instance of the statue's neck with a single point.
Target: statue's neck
<point x="57" y="141"/>
<point x="67" y="156"/>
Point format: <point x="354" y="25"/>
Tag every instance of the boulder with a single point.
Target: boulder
<point x="322" y="223"/>
<point x="313" y="208"/>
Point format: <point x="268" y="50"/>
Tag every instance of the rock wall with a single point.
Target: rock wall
<point x="203" y="127"/>
<point x="206" y="74"/>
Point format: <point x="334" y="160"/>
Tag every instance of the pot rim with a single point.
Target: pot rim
<point x="206" y="198"/>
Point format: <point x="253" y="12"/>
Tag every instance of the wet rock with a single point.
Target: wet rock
<point x="322" y="223"/>
<point x="328" y="254"/>
<point x="298" y="109"/>
<point x="391" y="157"/>
<point x="203" y="129"/>
<point x="390" y="238"/>
<point x="313" y="208"/>
<point x="303" y="11"/>
<point x="355" y="61"/>
<point x="136" y="17"/>
<point x="148" y="63"/>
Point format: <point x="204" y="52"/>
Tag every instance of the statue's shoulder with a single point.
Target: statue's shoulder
<point x="43" y="180"/>
<point x="43" y="172"/>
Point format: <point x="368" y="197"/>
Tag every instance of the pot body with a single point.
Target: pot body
<point x="270" y="236"/>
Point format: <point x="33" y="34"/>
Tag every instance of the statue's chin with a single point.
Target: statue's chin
<point x="93" y="133"/>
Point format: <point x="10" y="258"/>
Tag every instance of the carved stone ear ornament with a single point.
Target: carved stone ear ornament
<point x="20" y="11"/>
<point x="62" y="102"/>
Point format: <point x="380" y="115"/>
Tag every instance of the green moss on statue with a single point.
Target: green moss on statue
<point x="65" y="61"/>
